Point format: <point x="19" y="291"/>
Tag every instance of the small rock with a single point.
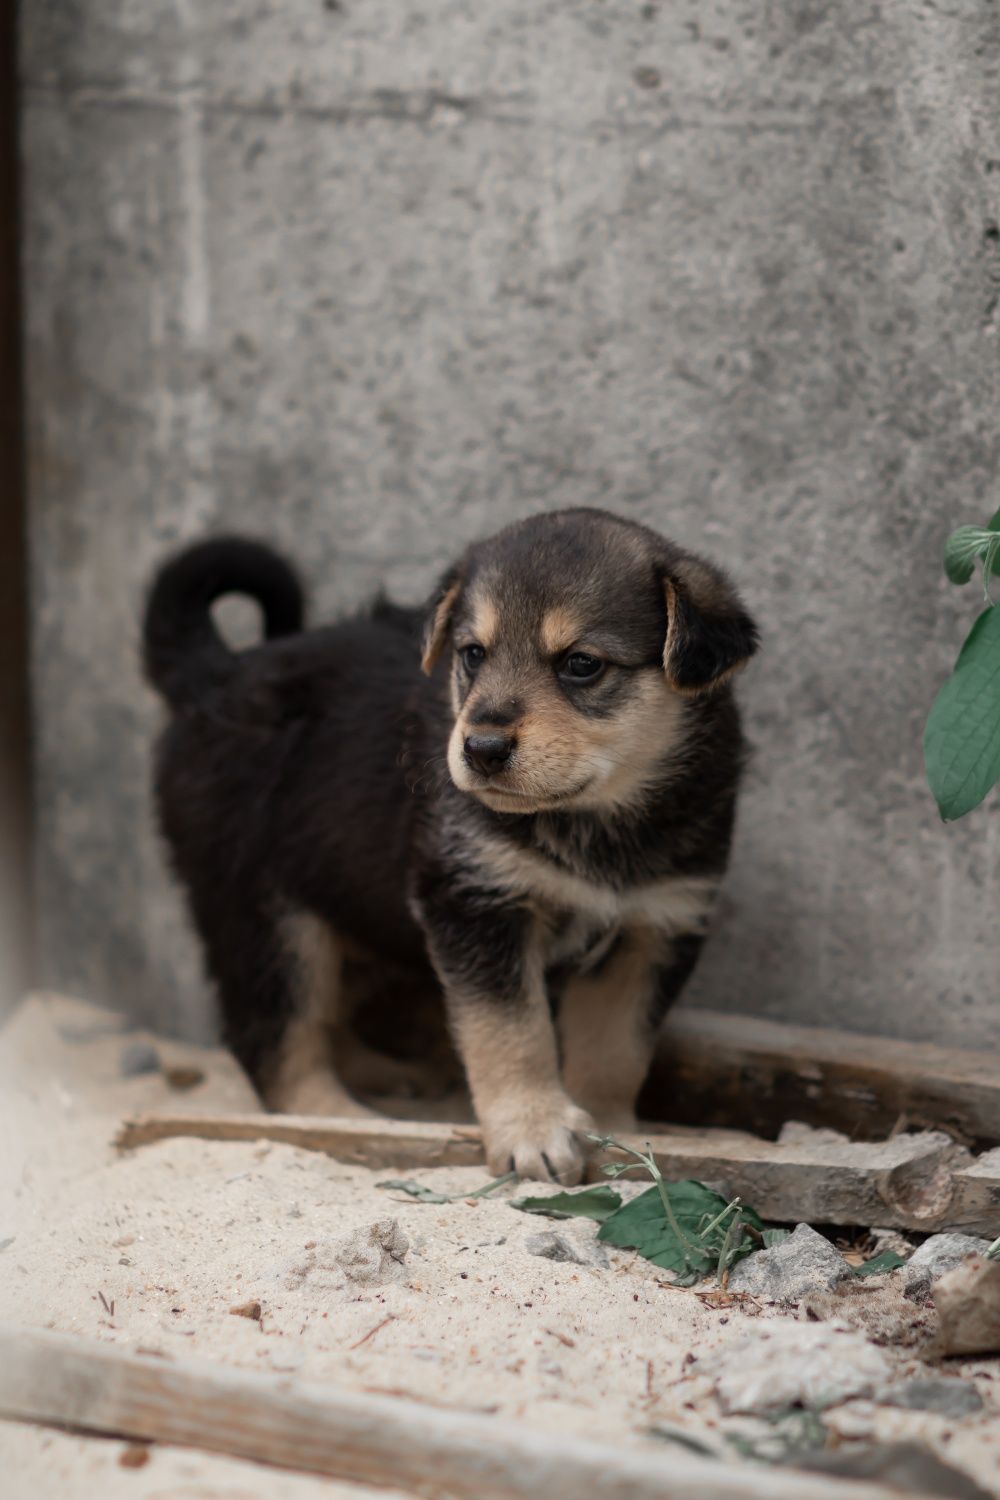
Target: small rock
<point x="247" y="1310"/>
<point x="184" y="1077"/>
<point x="135" y="1456"/>
<point x="803" y="1264"/>
<point x="935" y="1258"/>
<point x="968" y="1306"/>
<point x="891" y="1239"/>
<point x="373" y="1253"/>
<point x="779" y="1365"/>
<point x="647" y="78"/>
<point x="798" y="1133"/>
<point x="137" y="1058"/>
<point x="550" y="1244"/>
<point x="948" y="1398"/>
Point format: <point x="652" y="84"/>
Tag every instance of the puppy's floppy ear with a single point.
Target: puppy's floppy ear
<point x="709" y="633"/>
<point x="439" y="613"/>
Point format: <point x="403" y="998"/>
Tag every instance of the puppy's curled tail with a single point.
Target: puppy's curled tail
<point x="184" y="656"/>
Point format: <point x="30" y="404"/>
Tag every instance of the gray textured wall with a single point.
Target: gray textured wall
<point x="371" y="277"/>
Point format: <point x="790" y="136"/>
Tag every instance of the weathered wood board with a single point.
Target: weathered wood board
<point x="731" y="1070"/>
<point x="922" y="1182"/>
<point x="379" y="1440"/>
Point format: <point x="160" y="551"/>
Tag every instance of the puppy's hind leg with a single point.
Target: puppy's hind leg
<point x="303" y="1078"/>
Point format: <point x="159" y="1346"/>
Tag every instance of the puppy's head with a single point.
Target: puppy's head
<point x="575" y="639"/>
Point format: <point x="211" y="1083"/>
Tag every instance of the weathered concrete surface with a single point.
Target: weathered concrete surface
<point x="372" y="278"/>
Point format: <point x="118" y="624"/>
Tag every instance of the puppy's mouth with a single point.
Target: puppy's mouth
<point x="503" y="799"/>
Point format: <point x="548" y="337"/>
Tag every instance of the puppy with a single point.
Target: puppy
<point x="525" y="792"/>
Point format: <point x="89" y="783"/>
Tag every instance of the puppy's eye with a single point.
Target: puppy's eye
<point x="472" y="657"/>
<point x="581" y="667"/>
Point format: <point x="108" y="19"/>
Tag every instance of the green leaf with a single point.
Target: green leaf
<point x="775" y="1237"/>
<point x="700" y="1216"/>
<point x="962" y="738"/>
<point x="961" y="550"/>
<point x="589" y="1203"/>
<point x="887" y="1261"/>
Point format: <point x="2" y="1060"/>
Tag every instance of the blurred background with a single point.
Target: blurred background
<point x="371" y="278"/>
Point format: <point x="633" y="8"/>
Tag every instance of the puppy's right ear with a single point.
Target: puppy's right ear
<point x="439" y="613"/>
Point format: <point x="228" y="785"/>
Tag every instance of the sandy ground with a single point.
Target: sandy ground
<point x="175" y="1235"/>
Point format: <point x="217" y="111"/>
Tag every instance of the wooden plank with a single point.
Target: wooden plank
<point x="718" y="1069"/>
<point x="68" y="1382"/>
<point x="361" y="1142"/>
<point x="922" y="1182"/>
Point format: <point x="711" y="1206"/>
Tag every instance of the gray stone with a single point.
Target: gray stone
<point x="907" y="1468"/>
<point x="371" y="1254"/>
<point x="803" y="1264"/>
<point x="553" y="1244"/>
<point x="373" y="279"/>
<point x="137" y="1058"/>
<point x="935" y="1258"/>
<point x="948" y="1398"/>
<point x="771" y="1367"/>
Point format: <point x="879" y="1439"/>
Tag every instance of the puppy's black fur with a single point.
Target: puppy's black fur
<point x="322" y="796"/>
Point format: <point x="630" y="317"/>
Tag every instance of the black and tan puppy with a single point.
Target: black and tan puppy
<point x="542" y="815"/>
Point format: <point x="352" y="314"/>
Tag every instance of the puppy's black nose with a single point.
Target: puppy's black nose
<point x="488" y="753"/>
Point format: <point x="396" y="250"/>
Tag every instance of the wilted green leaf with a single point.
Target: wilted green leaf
<point x="962" y="738"/>
<point x="588" y="1203"/>
<point x="425" y="1194"/>
<point x="643" y="1225"/>
<point x="887" y="1261"/>
<point x="668" y="1433"/>
<point x="415" y="1190"/>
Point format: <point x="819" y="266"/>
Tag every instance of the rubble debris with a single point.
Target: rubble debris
<point x="137" y="1058"/>
<point x="909" y="1468"/>
<point x="134" y="1456"/>
<point x="250" y="1309"/>
<point x="935" y="1257"/>
<point x="773" y="1367"/>
<point x="968" y="1306"/>
<point x="947" y="1397"/>
<point x="373" y="1253"/>
<point x="183" y="1077"/>
<point x="551" y="1245"/>
<point x="797" y="1267"/>
<point x="891" y="1239"/>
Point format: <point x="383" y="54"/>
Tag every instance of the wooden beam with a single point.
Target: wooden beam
<point x="922" y="1182"/>
<point x="718" y="1069"/>
<point x="319" y="1429"/>
<point x="360" y="1142"/>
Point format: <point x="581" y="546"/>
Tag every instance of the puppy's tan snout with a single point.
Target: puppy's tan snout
<point x="488" y="752"/>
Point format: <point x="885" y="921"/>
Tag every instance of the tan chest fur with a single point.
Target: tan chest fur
<point x="670" y="907"/>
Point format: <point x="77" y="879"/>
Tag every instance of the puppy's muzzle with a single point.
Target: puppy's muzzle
<point x="488" y="754"/>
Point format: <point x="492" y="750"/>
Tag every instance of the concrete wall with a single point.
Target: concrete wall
<point x="372" y="277"/>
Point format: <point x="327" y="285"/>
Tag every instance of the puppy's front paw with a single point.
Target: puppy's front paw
<point x="541" y="1138"/>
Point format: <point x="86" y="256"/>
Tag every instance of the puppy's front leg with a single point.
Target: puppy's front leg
<point x="486" y="953"/>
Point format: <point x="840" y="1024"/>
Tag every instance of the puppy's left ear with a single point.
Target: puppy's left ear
<point x="439" y="613"/>
<point x="709" y="633"/>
